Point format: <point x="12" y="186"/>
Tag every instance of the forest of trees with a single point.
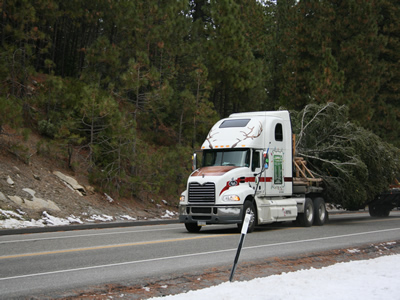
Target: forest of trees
<point x="133" y="86"/>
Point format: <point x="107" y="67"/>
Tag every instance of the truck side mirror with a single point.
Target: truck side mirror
<point x="265" y="160"/>
<point x="194" y="162"/>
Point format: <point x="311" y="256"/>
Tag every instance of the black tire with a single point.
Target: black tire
<point x="373" y="210"/>
<point x="306" y="218"/>
<point x="378" y="210"/>
<point x="248" y="208"/>
<point x="192" y="227"/>
<point x="320" y="213"/>
<point x="386" y="211"/>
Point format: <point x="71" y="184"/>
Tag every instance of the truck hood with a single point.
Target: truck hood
<point x="213" y="171"/>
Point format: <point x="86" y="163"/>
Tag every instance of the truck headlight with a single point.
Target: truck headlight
<point x="229" y="198"/>
<point x="182" y="198"/>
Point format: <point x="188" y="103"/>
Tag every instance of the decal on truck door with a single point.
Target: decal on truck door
<point x="278" y="174"/>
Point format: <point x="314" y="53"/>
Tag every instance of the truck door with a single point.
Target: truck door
<point x="256" y="169"/>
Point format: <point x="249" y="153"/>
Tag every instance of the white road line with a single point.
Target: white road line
<point x="323" y="238"/>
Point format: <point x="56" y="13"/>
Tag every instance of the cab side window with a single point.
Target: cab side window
<point x="278" y="132"/>
<point x="256" y="161"/>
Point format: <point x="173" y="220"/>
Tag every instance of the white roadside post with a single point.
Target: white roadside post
<point x="242" y="236"/>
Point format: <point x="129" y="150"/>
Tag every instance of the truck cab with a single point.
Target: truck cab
<point x="245" y="165"/>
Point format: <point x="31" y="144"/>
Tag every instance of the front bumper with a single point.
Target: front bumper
<point x="211" y="214"/>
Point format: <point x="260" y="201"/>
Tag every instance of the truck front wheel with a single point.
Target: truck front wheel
<point x="306" y="218"/>
<point x="248" y="208"/>
<point x="192" y="227"/>
<point x="320" y="213"/>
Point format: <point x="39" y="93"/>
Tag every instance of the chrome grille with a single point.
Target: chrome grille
<point x="202" y="193"/>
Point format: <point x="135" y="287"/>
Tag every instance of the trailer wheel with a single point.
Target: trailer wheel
<point x="306" y="218"/>
<point x="192" y="227"/>
<point x="248" y="208"/>
<point x="385" y="212"/>
<point x="379" y="210"/>
<point x="373" y="210"/>
<point x="320" y="213"/>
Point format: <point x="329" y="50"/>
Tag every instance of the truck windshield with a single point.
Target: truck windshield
<point x="238" y="158"/>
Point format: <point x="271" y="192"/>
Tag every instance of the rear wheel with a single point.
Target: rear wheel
<point x="192" y="227"/>
<point x="386" y="212"/>
<point x="320" y="213"/>
<point x="249" y="208"/>
<point x="373" y="211"/>
<point x="306" y="218"/>
<point x="379" y="210"/>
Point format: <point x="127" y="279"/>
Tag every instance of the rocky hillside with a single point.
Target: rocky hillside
<point x="34" y="188"/>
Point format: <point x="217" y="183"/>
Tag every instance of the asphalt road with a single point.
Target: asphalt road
<point x="55" y="263"/>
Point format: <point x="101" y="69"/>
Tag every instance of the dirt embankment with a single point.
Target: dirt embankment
<point x="30" y="183"/>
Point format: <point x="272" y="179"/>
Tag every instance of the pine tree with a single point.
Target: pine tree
<point x="300" y="39"/>
<point x="355" y="164"/>
<point x="386" y="117"/>
<point x="19" y="34"/>
<point x="332" y="54"/>
<point x="356" y="44"/>
<point x="276" y="26"/>
<point x="233" y="68"/>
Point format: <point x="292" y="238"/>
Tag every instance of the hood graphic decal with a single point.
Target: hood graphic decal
<point x="212" y="171"/>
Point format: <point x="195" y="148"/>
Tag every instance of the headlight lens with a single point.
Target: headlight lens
<point x="182" y="198"/>
<point x="229" y="198"/>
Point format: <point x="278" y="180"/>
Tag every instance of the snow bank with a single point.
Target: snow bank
<point x="368" y="279"/>
<point x="12" y="220"/>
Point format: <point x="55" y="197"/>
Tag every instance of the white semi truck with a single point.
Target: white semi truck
<point x="248" y="165"/>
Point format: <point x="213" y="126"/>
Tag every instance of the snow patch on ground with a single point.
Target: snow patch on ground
<point x="169" y="214"/>
<point x="373" y="279"/>
<point x="129" y="218"/>
<point x="14" y="220"/>
<point x="353" y="250"/>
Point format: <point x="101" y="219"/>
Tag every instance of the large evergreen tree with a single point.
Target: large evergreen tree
<point x="386" y="117"/>
<point x="233" y="68"/>
<point x="357" y="44"/>
<point x="355" y="164"/>
<point x="332" y="54"/>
